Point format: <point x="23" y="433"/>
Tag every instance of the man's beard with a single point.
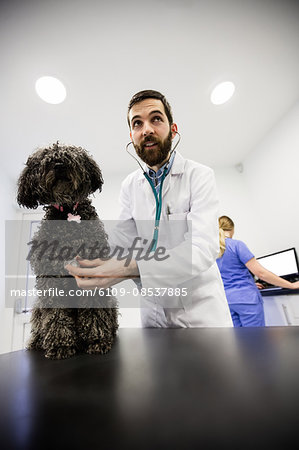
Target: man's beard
<point x="154" y="156"/>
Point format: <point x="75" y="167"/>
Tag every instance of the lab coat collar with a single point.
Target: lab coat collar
<point x="176" y="168"/>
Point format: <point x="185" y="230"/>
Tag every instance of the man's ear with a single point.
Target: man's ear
<point x="174" y="129"/>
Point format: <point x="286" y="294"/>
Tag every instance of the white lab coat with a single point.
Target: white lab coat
<point x="189" y="202"/>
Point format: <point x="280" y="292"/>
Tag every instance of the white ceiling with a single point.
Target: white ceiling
<point x="105" y="51"/>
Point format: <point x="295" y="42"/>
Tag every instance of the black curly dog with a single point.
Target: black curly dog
<point x="61" y="178"/>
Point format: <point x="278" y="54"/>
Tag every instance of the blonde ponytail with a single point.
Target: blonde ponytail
<point x="221" y="242"/>
<point x="225" y="224"/>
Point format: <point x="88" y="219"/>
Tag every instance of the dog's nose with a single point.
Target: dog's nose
<point x="60" y="168"/>
<point x="58" y="165"/>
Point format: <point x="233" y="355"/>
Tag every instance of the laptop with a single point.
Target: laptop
<point x="284" y="264"/>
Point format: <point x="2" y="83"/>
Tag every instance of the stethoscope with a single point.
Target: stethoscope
<point x="158" y="197"/>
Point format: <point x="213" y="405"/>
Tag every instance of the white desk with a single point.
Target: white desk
<point x="281" y="310"/>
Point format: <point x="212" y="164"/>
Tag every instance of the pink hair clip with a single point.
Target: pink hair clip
<point x="72" y="217"/>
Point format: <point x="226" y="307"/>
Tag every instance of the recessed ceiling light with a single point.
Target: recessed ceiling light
<point x="50" y="89"/>
<point x="222" y="92"/>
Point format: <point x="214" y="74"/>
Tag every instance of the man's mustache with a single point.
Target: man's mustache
<point x="150" y="139"/>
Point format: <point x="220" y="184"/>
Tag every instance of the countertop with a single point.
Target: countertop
<point x="157" y="388"/>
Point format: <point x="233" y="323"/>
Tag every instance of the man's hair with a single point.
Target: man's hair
<point x="143" y="95"/>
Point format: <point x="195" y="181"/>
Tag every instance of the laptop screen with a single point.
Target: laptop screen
<point x="281" y="263"/>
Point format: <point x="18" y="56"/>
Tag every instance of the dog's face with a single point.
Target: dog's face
<point x="58" y="174"/>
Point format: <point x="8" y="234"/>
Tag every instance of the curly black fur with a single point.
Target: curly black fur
<point x="61" y="177"/>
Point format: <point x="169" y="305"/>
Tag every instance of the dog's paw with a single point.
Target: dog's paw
<point x="98" y="347"/>
<point x="60" y="353"/>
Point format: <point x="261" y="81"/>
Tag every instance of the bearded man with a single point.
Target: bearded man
<point x="173" y="203"/>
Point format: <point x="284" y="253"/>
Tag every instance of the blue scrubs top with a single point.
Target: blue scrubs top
<point x="238" y="283"/>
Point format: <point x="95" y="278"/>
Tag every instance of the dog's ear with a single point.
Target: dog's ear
<point x="28" y="186"/>
<point x="95" y="174"/>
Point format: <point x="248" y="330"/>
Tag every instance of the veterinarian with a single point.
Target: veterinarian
<point x="235" y="261"/>
<point x="170" y="190"/>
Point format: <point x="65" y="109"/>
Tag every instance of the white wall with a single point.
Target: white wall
<point x="263" y="200"/>
<point x="235" y="200"/>
<point x="271" y="173"/>
<point x="106" y="202"/>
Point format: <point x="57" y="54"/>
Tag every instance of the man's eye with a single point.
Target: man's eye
<point x="137" y="123"/>
<point x="157" y="119"/>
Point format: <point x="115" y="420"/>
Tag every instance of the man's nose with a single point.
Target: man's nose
<point x="147" y="129"/>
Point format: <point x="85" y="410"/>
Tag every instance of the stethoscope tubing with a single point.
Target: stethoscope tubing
<point x="158" y="197"/>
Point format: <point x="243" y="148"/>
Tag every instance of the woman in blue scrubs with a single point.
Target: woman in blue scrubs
<point x="234" y="262"/>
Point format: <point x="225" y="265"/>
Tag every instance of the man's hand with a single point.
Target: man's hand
<point x="102" y="273"/>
